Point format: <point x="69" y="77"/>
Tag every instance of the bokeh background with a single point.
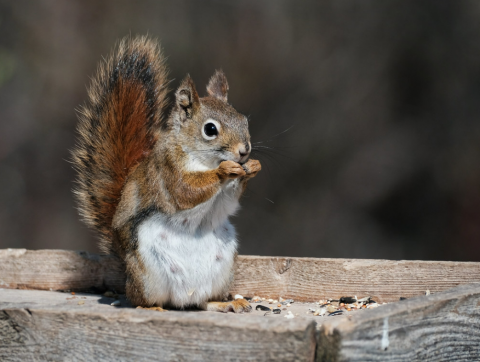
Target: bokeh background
<point x="371" y="110"/>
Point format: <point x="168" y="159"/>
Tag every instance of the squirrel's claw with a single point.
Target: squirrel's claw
<point x="252" y="167"/>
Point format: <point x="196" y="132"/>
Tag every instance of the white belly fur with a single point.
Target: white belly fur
<point x="189" y="256"/>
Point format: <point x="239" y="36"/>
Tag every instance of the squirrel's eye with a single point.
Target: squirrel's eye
<point x="210" y="130"/>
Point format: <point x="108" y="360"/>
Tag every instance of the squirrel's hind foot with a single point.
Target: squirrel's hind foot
<point x="158" y="309"/>
<point x="236" y="306"/>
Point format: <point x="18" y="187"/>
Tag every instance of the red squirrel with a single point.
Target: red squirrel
<point x="159" y="185"/>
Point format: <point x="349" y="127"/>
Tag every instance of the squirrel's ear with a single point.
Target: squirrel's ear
<point x="186" y="97"/>
<point x="218" y="86"/>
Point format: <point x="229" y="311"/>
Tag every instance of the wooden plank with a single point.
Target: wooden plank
<point x="309" y="279"/>
<point x="439" y="327"/>
<point x="46" y="326"/>
<point x="303" y="279"/>
<point x="59" y="270"/>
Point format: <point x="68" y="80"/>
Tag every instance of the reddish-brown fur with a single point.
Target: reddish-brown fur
<point x="132" y="163"/>
<point x="117" y="128"/>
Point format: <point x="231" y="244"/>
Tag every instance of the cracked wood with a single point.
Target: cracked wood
<point x="50" y="326"/>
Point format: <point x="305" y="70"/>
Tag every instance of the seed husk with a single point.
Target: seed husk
<point x="348" y="300"/>
<point x="338" y="312"/>
<point x="262" y="307"/>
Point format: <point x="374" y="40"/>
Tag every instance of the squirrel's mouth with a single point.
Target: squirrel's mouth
<point x="241" y="160"/>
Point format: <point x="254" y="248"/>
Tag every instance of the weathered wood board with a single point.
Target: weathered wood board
<point x="433" y="328"/>
<point x="303" y="279"/>
<point x="46" y="326"/>
<point x="58" y="270"/>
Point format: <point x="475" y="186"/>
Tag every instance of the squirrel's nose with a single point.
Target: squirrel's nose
<point x="244" y="150"/>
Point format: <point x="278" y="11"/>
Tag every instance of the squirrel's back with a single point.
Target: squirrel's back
<point x="117" y="128"/>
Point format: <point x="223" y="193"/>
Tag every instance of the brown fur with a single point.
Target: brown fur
<point x="132" y="164"/>
<point x="117" y="128"/>
<point x="218" y="86"/>
<point x="237" y="306"/>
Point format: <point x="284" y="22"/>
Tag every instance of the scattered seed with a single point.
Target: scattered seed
<point x="262" y="307"/>
<point x="348" y="300"/>
<point x="331" y="309"/>
<point x="427" y="292"/>
<point x="289" y="316"/>
<point x="81" y="302"/>
<point x="321" y="312"/>
<point x="289" y="305"/>
<point x="338" y="312"/>
<point x="279" y="305"/>
<point x="364" y="300"/>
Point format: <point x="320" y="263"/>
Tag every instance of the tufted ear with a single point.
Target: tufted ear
<point x="186" y="97"/>
<point x="218" y="86"/>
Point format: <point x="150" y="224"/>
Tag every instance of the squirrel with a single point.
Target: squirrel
<point x="158" y="181"/>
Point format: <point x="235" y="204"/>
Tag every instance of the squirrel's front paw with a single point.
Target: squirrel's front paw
<point x="252" y="167"/>
<point x="230" y="170"/>
<point x="236" y="306"/>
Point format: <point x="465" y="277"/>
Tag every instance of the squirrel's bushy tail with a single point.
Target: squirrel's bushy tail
<point x="117" y="128"/>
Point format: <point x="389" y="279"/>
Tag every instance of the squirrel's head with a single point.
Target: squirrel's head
<point x="209" y="129"/>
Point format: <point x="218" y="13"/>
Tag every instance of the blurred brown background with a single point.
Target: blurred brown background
<point x="381" y="101"/>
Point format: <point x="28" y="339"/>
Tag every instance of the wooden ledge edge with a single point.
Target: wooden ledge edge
<point x="389" y="332"/>
<point x="302" y="279"/>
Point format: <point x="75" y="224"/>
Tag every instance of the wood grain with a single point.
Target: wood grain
<point x="309" y="279"/>
<point x="59" y="270"/>
<point x="439" y="327"/>
<point x="303" y="279"/>
<point x="46" y="326"/>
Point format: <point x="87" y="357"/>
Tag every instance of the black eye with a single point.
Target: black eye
<point x="210" y="130"/>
